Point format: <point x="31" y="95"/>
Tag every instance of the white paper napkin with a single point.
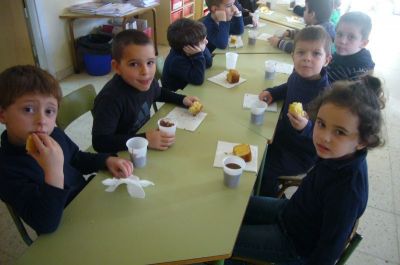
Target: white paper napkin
<point x="238" y="43"/>
<point x="260" y="25"/>
<point x="249" y="99"/>
<point x="133" y="184"/>
<point x="264" y="36"/>
<point x="186" y="120"/>
<point x="220" y="79"/>
<point x="225" y="149"/>
<point x="280" y="67"/>
<point x="294" y="19"/>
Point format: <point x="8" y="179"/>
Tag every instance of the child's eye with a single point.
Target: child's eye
<point x="351" y="37"/>
<point x="300" y="52"/>
<point x="317" y="53"/>
<point x="339" y="132"/>
<point x="28" y="109"/>
<point x="320" y="124"/>
<point x="51" y="111"/>
<point x="133" y="64"/>
<point x="150" y="63"/>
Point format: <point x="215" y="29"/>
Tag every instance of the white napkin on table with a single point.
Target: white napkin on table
<point x="133" y="184"/>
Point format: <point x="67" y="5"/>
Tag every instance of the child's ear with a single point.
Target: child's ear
<point x="115" y="65"/>
<point x="364" y="43"/>
<point x="328" y="59"/>
<point x="361" y="146"/>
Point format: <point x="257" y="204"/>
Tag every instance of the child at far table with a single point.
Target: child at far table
<point x="292" y="151"/>
<point x="223" y="20"/>
<point x="39" y="177"/>
<point x="123" y="105"/>
<point x="351" y="59"/>
<point x="189" y="57"/>
<point x="313" y="227"/>
<point x="317" y="12"/>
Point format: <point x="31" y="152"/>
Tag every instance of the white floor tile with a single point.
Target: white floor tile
<point x="380" y="235"/>
<point x="361" y="258"/>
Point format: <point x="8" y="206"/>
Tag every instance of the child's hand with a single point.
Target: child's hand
<point x="190" y="50"/>
<point x="189" y="100"/>
<point x="236" y="11"/>
<point x="50" y="157"/>
<point x="266" y="96"/>
<point x="158" y="140"/>
<point x="119" y="167"/>
<point x="274" y="41"/>
<point x="220" y="14"/>
<point x="255" y="21"/>
<point x="298" y="122"/>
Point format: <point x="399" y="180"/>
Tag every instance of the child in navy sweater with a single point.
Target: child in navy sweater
<point x="351" y="59"/>
<point x="40" y="182"/>
<point x="317" y="12"/>
<point x="189" y="57"/>
<point x="315" y="224"/>
<point x="123" y="105"/>
<point x="292" y="151"/>
<point x="223" y="20"/>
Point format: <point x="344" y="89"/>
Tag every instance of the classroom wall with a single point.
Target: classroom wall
<point x="55" y="35"/>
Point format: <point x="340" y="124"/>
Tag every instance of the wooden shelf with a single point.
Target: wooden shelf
<point x="170" y="10"/>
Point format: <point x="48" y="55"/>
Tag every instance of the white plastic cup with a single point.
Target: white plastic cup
<point x="233" y="169"/>
<point x="137" y="147"/>
<point x="231" y="60"/>
<point x="272" y="4"/>
<point x="171" y="130"/>
<point x="270" y="70"/>
<point x="258" y="112"/>
<point x="252" y="37"/>
<point x="279" y="33"/>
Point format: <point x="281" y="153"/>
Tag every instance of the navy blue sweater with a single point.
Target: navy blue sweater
<point x="120" y="110"/>
<point x="22" y="182"/>
<point x="181" y="69"/>
<point x="350" y="67"/>
<point x="288" y="139"/>
<point x="218" y="33"/>
<point x="321" y="214"/>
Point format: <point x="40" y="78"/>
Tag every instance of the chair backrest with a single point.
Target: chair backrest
<point x="20" y="225"/>
<point x="159" y="66"/>
<point x="74" y="105"/>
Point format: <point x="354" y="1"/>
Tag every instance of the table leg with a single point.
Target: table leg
<point x="73" y="45"/>
<point x="153" y="10"/>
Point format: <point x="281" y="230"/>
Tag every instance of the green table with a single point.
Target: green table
<point x="279" y="16"/>
<point x="188" y="216"/>
<point x="229" y="101"/>
<point x="261" y="46"/>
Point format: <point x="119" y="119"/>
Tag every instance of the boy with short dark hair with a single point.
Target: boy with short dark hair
<point x="223" y="20"/>
<point x="351" y="59"/>
<point x="123" y="105"/>
<point x="317" y="12"/>
<point x="41" y="176"/>
<point x="292" y="151"/>
<point x="188" y="57"/>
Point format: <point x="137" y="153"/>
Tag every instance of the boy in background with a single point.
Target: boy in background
<point x="123" y="105"/>
<point x="317" y="12"/>
<point x="351" y="59"/>
<point x="39" y="179"/>
<point x="189" y="57"/>
<point x="223" y="20"/>
<point x="292" y="151"/>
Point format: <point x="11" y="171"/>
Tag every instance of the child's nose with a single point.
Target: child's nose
<point x="144" y="69"/>
<point x="40" y="117"/>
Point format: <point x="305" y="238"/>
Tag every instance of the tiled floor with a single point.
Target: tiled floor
<point x="380" y="224"/>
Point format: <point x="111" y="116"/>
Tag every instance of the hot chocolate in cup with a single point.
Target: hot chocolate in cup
<point x="252" y="37"/>
<point x="270" y="70"/>
<point x="233" y="169"/>
<point x="167" y="126"/>
<point x="258" y="112"/>
<point x="137" y="147"/>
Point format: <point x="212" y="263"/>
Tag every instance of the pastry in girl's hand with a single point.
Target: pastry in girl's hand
<point x="296" y="108"/>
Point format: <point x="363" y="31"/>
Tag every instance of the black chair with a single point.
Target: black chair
<point x="20" y="225"/>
